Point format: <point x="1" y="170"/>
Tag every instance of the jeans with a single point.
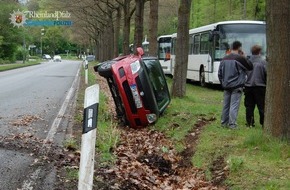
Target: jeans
<point x="231" y="107"/>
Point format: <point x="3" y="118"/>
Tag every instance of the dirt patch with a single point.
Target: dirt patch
<point x="219" y="170"/>
<point x="157" y="162"/>
<point x="191" y="140"/>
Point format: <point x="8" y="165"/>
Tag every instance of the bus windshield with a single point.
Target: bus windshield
<point x="164" y="45"/>
<point x="247" y="34"/>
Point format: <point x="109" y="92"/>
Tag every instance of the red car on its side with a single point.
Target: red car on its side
<point x="138" y="87"/>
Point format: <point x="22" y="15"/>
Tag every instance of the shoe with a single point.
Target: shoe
<point x="250" y="125"/>
<point x="233" y="127"/>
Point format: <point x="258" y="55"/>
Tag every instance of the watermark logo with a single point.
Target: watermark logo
<point x="54" y="15"/>
<point x="18" y="18"/>
<point x="33" y="18"/>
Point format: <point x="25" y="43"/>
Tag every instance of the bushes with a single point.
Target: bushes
<point x="2" y="62"/>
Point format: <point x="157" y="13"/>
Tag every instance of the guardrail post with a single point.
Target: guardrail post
<point x="86" y="171"/>
<point x="86" y="71"/>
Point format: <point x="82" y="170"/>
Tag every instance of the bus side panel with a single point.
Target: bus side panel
<point x="166" y="66"/>
<point x="194" y="64"/>
<point x="213" y="77"/>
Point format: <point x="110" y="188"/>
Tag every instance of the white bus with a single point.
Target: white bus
<point x="164" y="49"/>
<point x="208" y="45"/>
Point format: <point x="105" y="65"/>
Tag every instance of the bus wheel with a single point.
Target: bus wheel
<point x="202" y="77"/>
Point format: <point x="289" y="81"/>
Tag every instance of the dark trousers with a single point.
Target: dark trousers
<point x="254" y="96"/>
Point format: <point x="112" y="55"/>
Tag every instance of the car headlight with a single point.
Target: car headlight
<point x="135" y="66"/>
<point x="151" y="117"/>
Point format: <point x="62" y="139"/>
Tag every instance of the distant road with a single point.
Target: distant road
<point x="34" y="100"/>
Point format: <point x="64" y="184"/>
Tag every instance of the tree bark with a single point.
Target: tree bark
<point x="117" y="32"/>
<point x="245" y="10"/>
<point x="139" y="19"/>
<point x="277" y="108"/>
<point x="153" y="27"/>
<point x="110" y="36"/>
<point x="126" y="27"/>
<point x="180" y="69"/>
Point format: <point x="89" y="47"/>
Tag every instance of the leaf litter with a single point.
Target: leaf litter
<point x="143" y="164"/>
<point x="25" y="120"/>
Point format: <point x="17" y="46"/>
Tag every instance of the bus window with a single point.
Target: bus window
<point x="196" y="44"/>
<point x="164" y="44"/>
<point x="190" y="45"/>
<point x="204" y="43"/>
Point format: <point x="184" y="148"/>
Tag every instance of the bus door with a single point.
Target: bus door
<point x="205" y="48"/>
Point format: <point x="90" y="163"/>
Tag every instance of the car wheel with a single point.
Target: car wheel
<point x="105" y="68"/>
<point x="202" y="77"/>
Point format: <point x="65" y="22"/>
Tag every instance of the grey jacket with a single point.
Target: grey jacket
<point x="258" y="76"/>
<point x="232" y="71"/>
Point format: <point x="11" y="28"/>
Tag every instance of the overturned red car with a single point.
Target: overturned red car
<point x="138" y="86"/>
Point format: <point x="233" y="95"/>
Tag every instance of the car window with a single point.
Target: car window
<point x="158" y="81"/>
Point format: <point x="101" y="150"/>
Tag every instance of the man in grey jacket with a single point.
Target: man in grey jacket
<point x="255" y="87"/>
<point x="232" y="76"/>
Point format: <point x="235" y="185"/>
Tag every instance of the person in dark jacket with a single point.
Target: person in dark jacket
<point x="232" y="76"/>
<point x="255" y="87"/>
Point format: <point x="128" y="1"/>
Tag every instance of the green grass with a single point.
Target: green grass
<point x="107" y="133"/>
<point x="11" y="66"/>
<point x="255" y="160"/>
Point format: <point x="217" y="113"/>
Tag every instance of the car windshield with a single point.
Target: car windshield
<point x="158" y="82"/>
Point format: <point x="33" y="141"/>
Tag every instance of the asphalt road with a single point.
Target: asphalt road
<point x="35" y="104"/>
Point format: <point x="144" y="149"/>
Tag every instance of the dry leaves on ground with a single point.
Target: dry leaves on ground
<point x="25" y="120"/>
<point x="147" y="160"/>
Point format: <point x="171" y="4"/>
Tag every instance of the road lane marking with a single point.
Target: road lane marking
<point x="59" y="117"/>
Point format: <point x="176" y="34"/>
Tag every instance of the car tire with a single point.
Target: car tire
<point x="105" y="69"/>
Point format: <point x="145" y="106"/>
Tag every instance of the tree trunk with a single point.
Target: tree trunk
<point x="277" y="108"/>
<point x="117" y="32"/>
<point x="214" y="11"/>
<point x="179" y="78"/>
<point x="139" y="18"/>
<point x="153" y="27"/>
<point x="126" y="27"/>
<point x="111" y="33"/>
<point x="101" y="47"/>
<point x="245" y="10"/>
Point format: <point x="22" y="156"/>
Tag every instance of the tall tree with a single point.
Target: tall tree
<point x="10" y="36"/>
<point x="117" y="31"/>
<point x="180" y="69"/>
<point x="127" y="12"/>
<point x="139" y="19"/>
<point x="277" y="109"/>
<point x="153" y="27"/>
<point x="245" y="9"/>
